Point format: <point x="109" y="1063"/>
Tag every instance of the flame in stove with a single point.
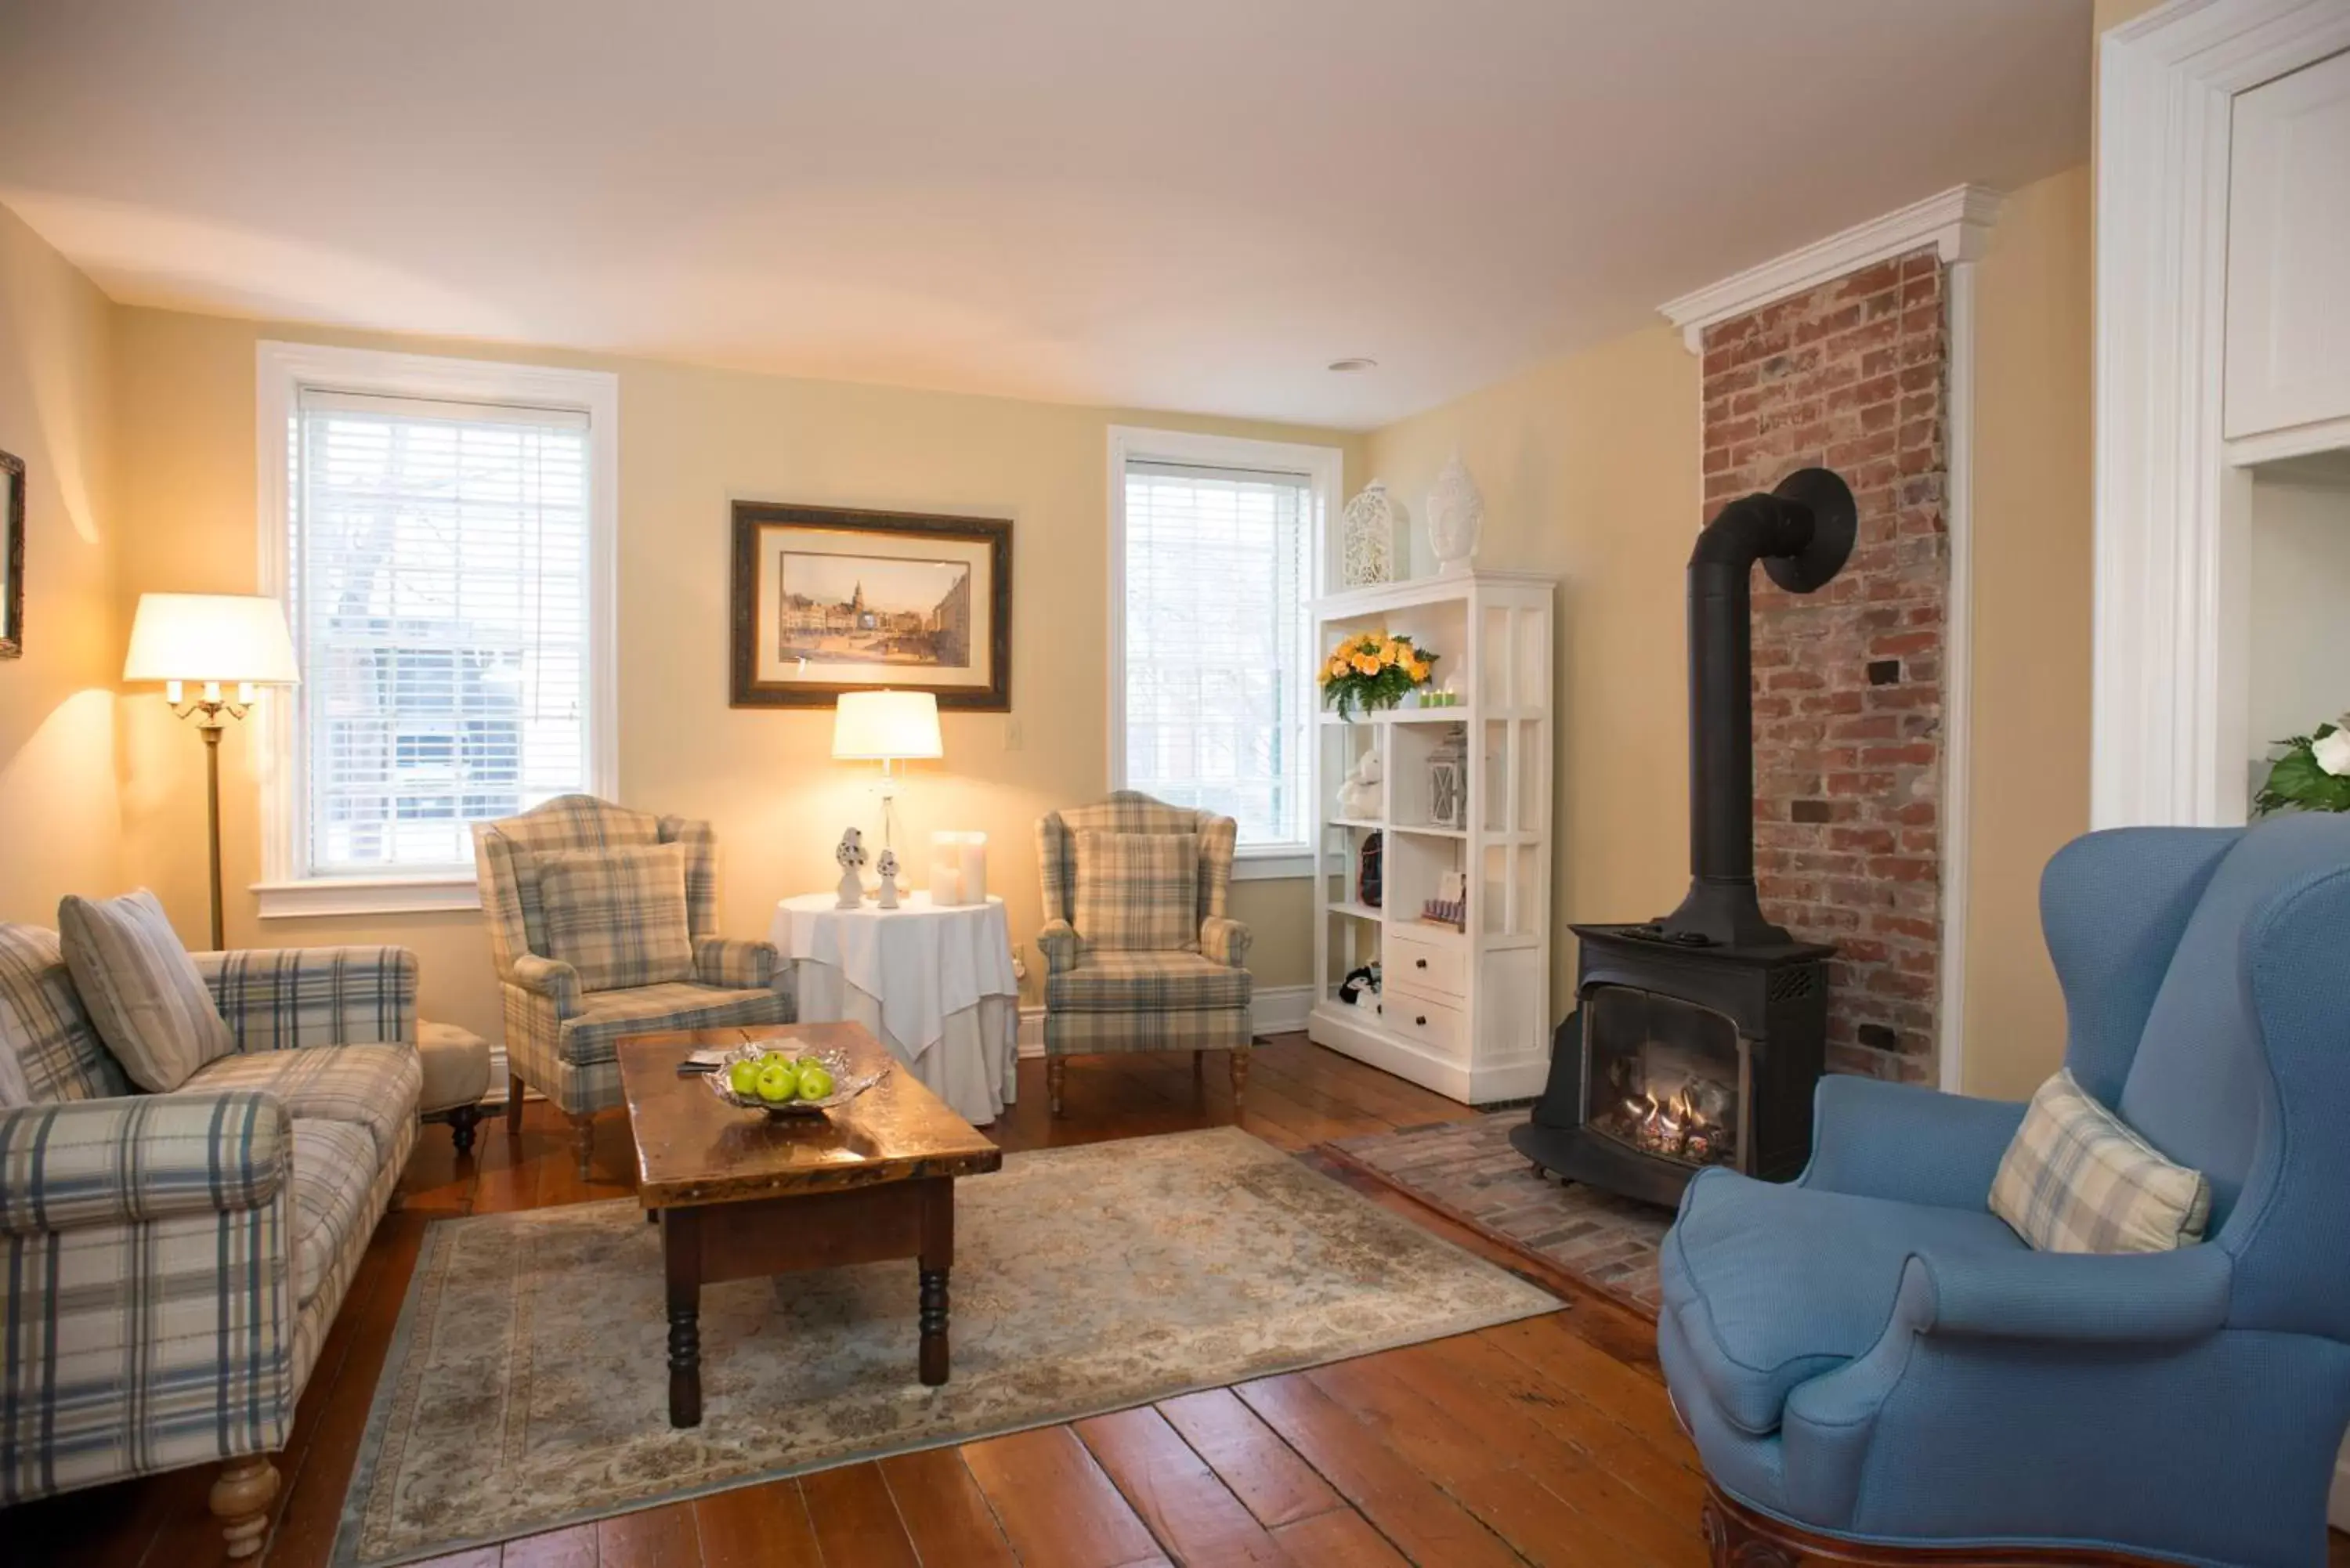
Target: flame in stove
<point x="1671" y="1126"/>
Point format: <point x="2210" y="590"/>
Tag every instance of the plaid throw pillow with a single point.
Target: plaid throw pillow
<point x="1137" y="892"/>
<point x="2077" y="1179"/>
<point x="617" y="915"/>
<point x="149" y="1003"/>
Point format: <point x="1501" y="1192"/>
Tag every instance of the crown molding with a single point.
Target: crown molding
<point x="1957" y="222"/>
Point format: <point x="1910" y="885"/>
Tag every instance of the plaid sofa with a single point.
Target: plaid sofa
<point x="1104" y="998"/>
<point x="559" y="1035"/>
<point x="175" y="1259"/>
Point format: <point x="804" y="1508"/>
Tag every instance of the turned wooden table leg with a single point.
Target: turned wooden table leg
<point x="936" y="1258"/>
<point x="1057" y="1073"/>
<point x="240" y="1500"/>
<point x="513" y="1106"/>
<point x="681" y="1261"/>
<point x="1240" y="1075"/>
<point x="583" y="1143"/>
<point x="461" y="1122"/>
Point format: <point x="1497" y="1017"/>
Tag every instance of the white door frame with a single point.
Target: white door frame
<point x="2169" y="728"/>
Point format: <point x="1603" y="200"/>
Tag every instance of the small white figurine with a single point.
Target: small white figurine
<point x="1358" y="792"/>
<point x="850" y="857"/>
<point x="888" y="867"/>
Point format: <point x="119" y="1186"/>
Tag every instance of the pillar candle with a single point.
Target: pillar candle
<point x="958" y="868"/>
<point x="974" y="868"/>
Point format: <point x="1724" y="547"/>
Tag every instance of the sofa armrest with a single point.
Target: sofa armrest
<point x="282" y="999"/>
<point x="136" y="1158"/>
<point x="1906" y="1142"/>
<point x="2080" y="1298"/>
<point x="732" y="962"/>
<point x="1058" y="942"/>
<point x="555" y="981"/>
<point x="1225" y="941"/>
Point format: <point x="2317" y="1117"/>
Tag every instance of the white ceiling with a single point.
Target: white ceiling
<point x="1192" y="205"/>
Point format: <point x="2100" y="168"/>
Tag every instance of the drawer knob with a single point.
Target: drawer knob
<point x="1419" y="963"/>
<point x="1421" y="1021"/>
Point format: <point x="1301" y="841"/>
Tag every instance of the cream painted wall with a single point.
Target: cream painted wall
<point x="58" y="825"/>
<point x="2031" y="635"/>
<point x="691" y="440"/>
<point x="1589" y="469"/>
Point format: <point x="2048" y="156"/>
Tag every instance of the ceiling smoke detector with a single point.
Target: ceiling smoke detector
<point x="1350" y="366"/>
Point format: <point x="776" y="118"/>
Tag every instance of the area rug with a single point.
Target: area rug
<point x="527" y="1384"/>
<point x="1467" y="1171"/>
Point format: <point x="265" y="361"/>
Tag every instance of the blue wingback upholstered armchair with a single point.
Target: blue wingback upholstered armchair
<point x="1869" y="1354"/>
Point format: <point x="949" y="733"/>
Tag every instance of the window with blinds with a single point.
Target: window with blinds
<point x="438" y="586"/>
<point x="1217" y="701"/>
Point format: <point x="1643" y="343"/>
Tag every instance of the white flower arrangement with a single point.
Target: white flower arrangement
<point x="2313" y="775"/>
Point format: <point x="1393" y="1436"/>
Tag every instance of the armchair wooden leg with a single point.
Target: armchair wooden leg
<point x="514" y="1105"/>
<point x="583" y="1142"/>
<point x="240" y="1500"/>
<point x="461" y="1122"/>
<point x="1057" y="1073"/>
<point x="1240" y="1075"/>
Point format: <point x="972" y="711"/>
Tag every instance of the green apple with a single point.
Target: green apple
<point x="804" y="1063"/>
<point x="777" y="1084"/>
<point x="815" y="1082"/>
<point x="743" y="1077"/>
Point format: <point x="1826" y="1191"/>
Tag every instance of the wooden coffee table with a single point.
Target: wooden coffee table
<point x="740" y="1195"/>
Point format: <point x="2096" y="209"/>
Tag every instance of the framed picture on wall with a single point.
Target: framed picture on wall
<point x="12" y="556"/>
<point x="828" y="599"/>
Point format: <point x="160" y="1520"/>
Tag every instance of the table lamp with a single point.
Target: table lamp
<point x="889" y="728"/>
<point x="217" y="643"/>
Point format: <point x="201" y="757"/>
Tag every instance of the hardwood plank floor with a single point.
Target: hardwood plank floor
<point x="1545" y="1442"/>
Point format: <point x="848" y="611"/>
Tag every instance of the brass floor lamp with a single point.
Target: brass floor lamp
<point x="219" y="644"/>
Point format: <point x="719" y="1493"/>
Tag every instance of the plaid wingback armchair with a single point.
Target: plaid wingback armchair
<point x="1139" y="954"/>
<point x="560" y="1035"/>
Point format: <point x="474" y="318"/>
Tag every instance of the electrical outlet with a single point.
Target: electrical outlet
<point x="1013" y="738"/>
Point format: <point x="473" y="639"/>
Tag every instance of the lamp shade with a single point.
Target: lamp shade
<point x="886" y="726"/>
<point x="233" y="638"/>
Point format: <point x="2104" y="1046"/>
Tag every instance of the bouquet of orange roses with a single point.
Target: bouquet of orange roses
<point x="1373" y="671"/>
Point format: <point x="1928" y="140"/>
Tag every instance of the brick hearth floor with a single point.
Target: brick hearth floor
<point x="1469" y="1170"/>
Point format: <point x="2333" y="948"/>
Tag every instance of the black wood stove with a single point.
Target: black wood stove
<point x="1698" y="1039"/>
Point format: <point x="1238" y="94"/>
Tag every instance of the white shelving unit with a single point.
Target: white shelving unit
<point x="1465" y="1012"/>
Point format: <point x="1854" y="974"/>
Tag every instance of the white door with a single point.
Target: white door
<point x="2289" y="252"/>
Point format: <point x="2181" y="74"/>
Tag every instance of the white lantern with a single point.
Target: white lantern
<point x="1376" y="539"/>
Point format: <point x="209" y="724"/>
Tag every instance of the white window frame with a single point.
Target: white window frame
<point x="1324" y="470"/>
<point x="283" y="371"/>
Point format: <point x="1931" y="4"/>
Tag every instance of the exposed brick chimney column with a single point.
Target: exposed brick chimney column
<point x="1853" y="375"/>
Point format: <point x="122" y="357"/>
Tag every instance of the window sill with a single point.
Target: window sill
<point x="324" y="896"/>
<point x="1272" y="868"/>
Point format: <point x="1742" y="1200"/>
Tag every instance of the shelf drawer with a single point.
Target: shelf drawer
<point x="1441" y="1028"/>
<point x="1440" y="968"/>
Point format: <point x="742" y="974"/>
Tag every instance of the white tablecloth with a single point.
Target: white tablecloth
<point x="934" y="986"/>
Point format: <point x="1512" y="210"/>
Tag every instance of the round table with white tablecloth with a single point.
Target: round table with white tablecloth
<point x="934" y="984"/>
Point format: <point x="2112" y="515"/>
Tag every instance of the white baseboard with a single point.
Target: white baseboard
<point x="1273" y="1009"/>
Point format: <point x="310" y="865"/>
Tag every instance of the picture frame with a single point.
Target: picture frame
<point x="827" y="599"/>
<point x="12" y="556"/>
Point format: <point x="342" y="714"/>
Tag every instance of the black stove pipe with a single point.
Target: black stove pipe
<point x="1802" y="532"/>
